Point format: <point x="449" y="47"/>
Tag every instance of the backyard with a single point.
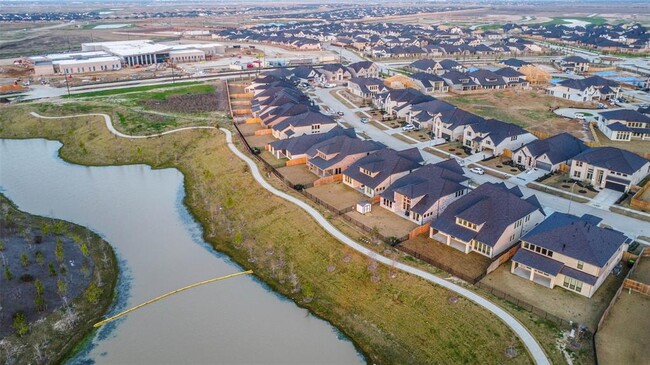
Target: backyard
<point x="387" y="223"/>
<point x="532" y="110"/>
<point x="623" y="337"/>
<point x="639" y="147"/>
<point x="338" y="195"/>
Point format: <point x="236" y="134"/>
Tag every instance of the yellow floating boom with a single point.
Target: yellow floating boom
<point x="99" y="324"/>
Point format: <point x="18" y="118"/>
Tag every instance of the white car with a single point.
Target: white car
<point x="579" y="116"/>
<point x="329" y="86"/>
<point x="477" y="170"/>
<point x="408" y="127"/>
<point x="364" y="120"/>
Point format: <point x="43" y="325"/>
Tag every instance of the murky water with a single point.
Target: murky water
<point x="139" y="211"/>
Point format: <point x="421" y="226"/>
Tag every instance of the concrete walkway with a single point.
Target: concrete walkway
<point x="535" y="350"/>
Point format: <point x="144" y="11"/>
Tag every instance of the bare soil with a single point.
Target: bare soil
<point x="339" y="195"/>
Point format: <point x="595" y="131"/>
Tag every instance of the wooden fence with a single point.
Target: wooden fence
<point x="637" y="286"/>
<point x="441" y="266"/>
<point x="297" y="161"/>
<point x="419" y="230"/>
<point x="328" y="180"/>
<point x="639" y="203"/>
<point x="504" y="257"/>
<point x="263" y="132"/>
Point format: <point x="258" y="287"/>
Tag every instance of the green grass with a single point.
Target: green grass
<point x="129" y="90"/>
<point x="487" y="27"/>
<point x="401" y="320"/>
<point x="164" y="94"/>
<point x="565" y="20"/>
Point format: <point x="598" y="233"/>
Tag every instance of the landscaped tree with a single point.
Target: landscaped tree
<point x="39" y="257"/>
<point x="2" y="245"/>
<point x="93" y="293"/>
<point x="39" y="287"/>
<point x="51" y="269"/>
<point x="24" y="260"/>
<point x="58" y="251"/>
<point x="8" y="274"/>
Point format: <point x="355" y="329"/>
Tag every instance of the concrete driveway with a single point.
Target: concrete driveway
<point x="605" y="198"/>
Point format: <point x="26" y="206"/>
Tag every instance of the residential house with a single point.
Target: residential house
<point x="487" y="79"/>
<point x="459" y="81"/>
<point x="423" y="195"/>
<point x="374" y="173"/>
<point x="609" y="167"/>
<point x="571" y="252"/>
<point x="422" y="115"/>
<point x="296" y="148"/>
<point x="512" y="77"/>
<point x="335" y="73"/>
<point x="310" y="122"/>
<point x="333" y="156"/>
<point x="487" y="220"/>
<point x="548" y="154"/>
<point x="398" y="102"/>
<point x="589" y="89"/>
<point x="515" y="64"/>
<point x="495" y="136"/>
<point x="624" y="125"/>
<point x="450" y="124"/>
<point x="574" y="64"/>
<point x="364" y="69"/>
<point x="309" y="74"/>
<point x="366" y="87"/>
<point x="429" y="83"/>
<point x="435" y="67"/>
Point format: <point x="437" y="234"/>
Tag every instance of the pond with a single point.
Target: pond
<point x="139" y="211"/>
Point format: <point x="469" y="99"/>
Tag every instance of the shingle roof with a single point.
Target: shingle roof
<point x="575" y="59"/>
<point x="299" y="145"/>
<point x="513" y="62"/>
<point x="341" y="146"/>
<point x="558" y="148"/>
<point x="595" y="81"/>
<point x="612" y="158"/>
<point x="493" y="205"/>
<point x="386" y="162"/>
<point x="431" y="182"/>
<point x="627" y="115"/>
<point x="498" y="130"/>
<point x="577" y="238"/>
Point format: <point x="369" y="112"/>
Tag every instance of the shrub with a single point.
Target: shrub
<point x="93" y="293"/>
<point x="8" y="274"/>
<point x="20" y="323"/>
<point x="51" y="268"/>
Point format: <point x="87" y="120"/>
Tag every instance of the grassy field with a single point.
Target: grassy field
<point x="129" y="90"/>
<point x="52" y="332"/>
<point x="393" y="319"/>
<point x="528" y="109"/>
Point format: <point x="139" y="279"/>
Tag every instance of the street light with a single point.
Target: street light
<point x="571" y="197"/>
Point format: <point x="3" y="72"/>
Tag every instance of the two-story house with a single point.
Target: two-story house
<point x="374" y="173"/>
<point x="423" y="195"/>
<point x="450" y="124"/>
<point x="571" y="252"/>
<point x="487" y="220"/>
<point x="429" y="83"/>
<point x="364" y="69"/>
<point x="575" y="64"/>
<point x="609" y="167"/>
<point x="512" y="77"/>
<point x="296" y="148"/>
<point x="335" y="73"/>
<point x="548" y="154"/>
<point x="310" y="122"/>
<point x="487" y="79"/>
<point x="459" y="81"/>
<point x="624" y="125"/>
<point x="365" y="88"/>
<point x="586" y="90"/>
<point x="495" y="136"/>
<point x="333" y="156"/>
<point x="422" y="115"/>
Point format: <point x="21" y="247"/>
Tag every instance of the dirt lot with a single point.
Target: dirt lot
<point x="642" y="271"/>
<point x="623" y="338"/>
<point x="338" y="195"/>
<point x="298" y="174"/>
<point x="471" y="264"/>
<point x="529" y="109"/>
<point x="386" y="221"/>
<point x="638" y="147"/>
<point x="260" y="141"/>
<point x="557" y="301"/>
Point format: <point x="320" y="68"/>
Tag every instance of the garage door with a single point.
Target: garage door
<point x="614" y="186"/>
<point x="543" y="166"/>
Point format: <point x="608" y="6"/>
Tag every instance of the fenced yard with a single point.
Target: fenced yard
<point x="337" y="195"/>
<point x="470" y="267"/>
<point x="388" y="223"/>
<point x="557" y="301"/>
<point x="298" y="175"/>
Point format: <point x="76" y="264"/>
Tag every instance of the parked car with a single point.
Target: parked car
<point x="364" y="120"/>
<point x="579" y="116"/>
<point x="408" y="127"/>
<point x="329" y="86"/>
<point x="477" y="170"/>
<point x="602" y="106"/>
<point x="340" y="113"/>
<point x="643" y="106"/>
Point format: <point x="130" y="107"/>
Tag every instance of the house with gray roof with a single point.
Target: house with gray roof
<point x="512" y="77"/>
<point x="366" y="87"/>
<point x="336" y="73"/>
<point x="423" y="115"/>
<point x="450" y="124"/>
<point x="460" y="81"/>
<point x="310" y="122"/>
<point x="571" y="252"/>
<point x="575" y="64"/>
<point x="624" y="125"/>
<point x="609" y="167"/>
<point x="364" y="69"/>
<point x="514" y="63"/>
<point x="548" y="154"/>
<point x="429" y="83"/>
<point x="423" y="195"/>
<point x="333" y="156"/>
<point x="594" y="88"/>
<point x="487" y="79"/>
<point x="297" y="147"/>
<point x="495" y="136"/>
<point x="371" y="175"/>
<point x="487" y="220"/>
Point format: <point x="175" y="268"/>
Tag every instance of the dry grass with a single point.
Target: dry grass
<point x="388" y="223"/>
<point x="529" y="109"/>
<point x="338" y="195"/>
<point x="401" y="320"/>
<point x="298" y="174"/>
<point x="471" y="264"/>
<point x="403" y="138"/>
<point x="623" y="338"/>
<point x="639" y="147"/>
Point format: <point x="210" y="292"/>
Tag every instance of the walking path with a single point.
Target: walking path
<point x="527" y="339"/>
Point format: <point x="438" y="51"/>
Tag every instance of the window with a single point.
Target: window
<point x="572" y="284"/>
<point x="512" y="238"/>
<point x="580" y="265"/>
<point x="406" y="203"/>
<point x="527" y="218"/>
<point x="464" y="223"/>
<point x="513" y="138"/>
<point x="518" y="223"/>
<point x="482" y="248"/>
<point x="315" y="127"/>
<point x="579" y="163"/>
<point x="576" y="174"/>
<point x="459" y="193"/>
<point x="366" y="172"/>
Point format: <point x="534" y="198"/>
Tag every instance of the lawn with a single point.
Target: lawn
<point x="563" y="182"/>
<point x="393" y="319"/>
<point x="637" y="146"/>
<point x="532" y="110"/>
<point x="126" y="90"/>
<point x="403" y="138"/>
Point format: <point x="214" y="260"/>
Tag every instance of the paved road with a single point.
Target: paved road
<point x="528" y="340"/>
<point x="550" y="202"/>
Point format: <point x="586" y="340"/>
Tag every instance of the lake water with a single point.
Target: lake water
<point x="139" y="211"/>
